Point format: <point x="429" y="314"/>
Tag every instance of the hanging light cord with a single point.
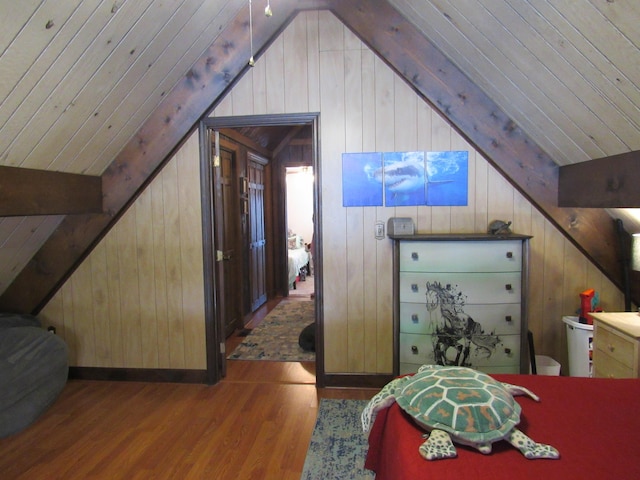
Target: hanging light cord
<point x="251" y="60"/>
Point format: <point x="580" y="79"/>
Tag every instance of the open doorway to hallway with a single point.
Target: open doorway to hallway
<point x="291" y="151"/>
<point x="299" y="188"/>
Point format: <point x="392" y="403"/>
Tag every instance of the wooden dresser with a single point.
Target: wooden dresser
<point x="461" y="300"/>
<point x="616" y="340"/>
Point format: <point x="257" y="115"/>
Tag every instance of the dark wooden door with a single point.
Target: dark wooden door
<point x="226" y="242"/>
<point x="257" y="235"/>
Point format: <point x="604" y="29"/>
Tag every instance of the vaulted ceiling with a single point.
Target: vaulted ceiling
<point x="108" y="89"/>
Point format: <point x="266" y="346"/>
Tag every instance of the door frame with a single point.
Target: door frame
<point x="214" y="334"/>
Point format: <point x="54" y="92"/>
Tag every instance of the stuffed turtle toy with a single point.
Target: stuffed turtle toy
<point x="499" y="227"/>
<point x="458" y="404"/>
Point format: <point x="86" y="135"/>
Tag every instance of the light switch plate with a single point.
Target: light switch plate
<point x="379" y="230"/>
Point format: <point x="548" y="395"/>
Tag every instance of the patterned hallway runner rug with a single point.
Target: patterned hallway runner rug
<point x="276" y="338"/>
<point x="338" y="446"/>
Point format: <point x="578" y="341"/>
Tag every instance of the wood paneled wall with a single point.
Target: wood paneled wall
<point x="319" y="65"/>
<point x="137" y="301"/>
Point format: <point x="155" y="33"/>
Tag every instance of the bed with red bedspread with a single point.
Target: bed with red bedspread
<point x="594" y="423"/>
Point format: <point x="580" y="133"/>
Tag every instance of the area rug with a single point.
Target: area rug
<point x="338" y="446"/>
<point x="276" y="338"/>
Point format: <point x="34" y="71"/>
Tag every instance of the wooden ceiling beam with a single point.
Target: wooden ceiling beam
<point x="609" y="182"/>
<point x="482" y="122"/>
<point x="25" y="191"/>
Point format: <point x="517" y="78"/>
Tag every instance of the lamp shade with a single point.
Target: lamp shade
<point x="635" y="252"/>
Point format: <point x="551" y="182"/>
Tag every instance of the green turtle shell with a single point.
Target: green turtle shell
<point x="468" y="404"/>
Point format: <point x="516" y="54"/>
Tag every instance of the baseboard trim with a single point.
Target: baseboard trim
<point x="356" y="380"/>
<point x="138" y="374"/>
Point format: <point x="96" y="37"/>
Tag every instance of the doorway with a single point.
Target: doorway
<point x="299" y="192"/>
<point x="275" y="242"/>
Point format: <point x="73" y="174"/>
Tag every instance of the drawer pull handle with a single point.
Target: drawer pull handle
<point x="414" y="318"/>
<point x="414" y="287"/>
<point x="508" y="318"/>
<point x="611" y="348"/>
<point x="414" y="349"/>
<point x="508" y="286"/>
<point x="507" y="351"/>
<point x="509" y="254"/>
<point x="414" y="256"/>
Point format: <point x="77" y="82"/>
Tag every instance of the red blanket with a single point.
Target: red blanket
<point x="594" y="423"/>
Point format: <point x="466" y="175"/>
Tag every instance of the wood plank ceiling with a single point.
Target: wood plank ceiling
<point x="92" y="87"/>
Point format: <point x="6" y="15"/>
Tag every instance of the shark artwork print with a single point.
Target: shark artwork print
<point x="404" y="178"/>
<point x="359" y="189"/>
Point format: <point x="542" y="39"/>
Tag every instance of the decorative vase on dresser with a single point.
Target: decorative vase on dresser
<point x="460" y="299"/>
<point x="616" y="344"/>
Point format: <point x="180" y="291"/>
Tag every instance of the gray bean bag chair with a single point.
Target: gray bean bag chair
<point x="34" y="367"/>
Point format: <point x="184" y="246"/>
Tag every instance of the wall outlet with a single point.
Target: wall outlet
<point x="379" y="230"/>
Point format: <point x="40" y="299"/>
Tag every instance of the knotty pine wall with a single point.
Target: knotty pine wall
<point x="137" y="301"/>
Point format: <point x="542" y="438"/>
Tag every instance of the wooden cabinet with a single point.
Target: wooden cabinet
<point x="461" y="300"/>
<point x="616" y="339"/>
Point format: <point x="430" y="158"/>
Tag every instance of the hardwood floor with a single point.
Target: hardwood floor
<point x="255" y="424"/>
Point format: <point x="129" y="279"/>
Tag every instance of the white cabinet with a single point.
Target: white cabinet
<point x="461" y="300"/>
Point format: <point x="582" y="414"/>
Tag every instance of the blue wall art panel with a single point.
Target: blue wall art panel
<point x="404" y="178"/>
<point x="447" y="178"/>
<point x="362" y="179"/>
<point x="395" y="179"/>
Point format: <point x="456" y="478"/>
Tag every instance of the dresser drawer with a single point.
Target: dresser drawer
<point x="484" y="351"/>
<point x="605" y="366"/>
<point x="615" y="346"/>
<point x="500" y="318"/>
<point x="476" y="288"/>
<point x="471" y="256"/>
<point x="416" y="349"/>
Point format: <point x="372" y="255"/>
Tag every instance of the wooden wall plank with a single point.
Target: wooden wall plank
<point x="440" y="142"/>
<point x="275" y="73"/>
<point x="294" y="79"/>
<point x="191" y="256"/>
<point x="83" y="325"/>
<point x="172" y="242"/>
<point x="146" y="281"/>
<point x="101" y="306"/>
<point x="334" y="219"/>
<point x="129" y="288"/>
<point x="160" y="274"/>
<point x="117" y="315"/>
<point x="553" y="278"/>
<point x="356" y="230"/>
<point x="367" y="137"/>
<point x="425" y="142"/>
<point x="385" y="142"/>
<point x="313" y="60"/>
